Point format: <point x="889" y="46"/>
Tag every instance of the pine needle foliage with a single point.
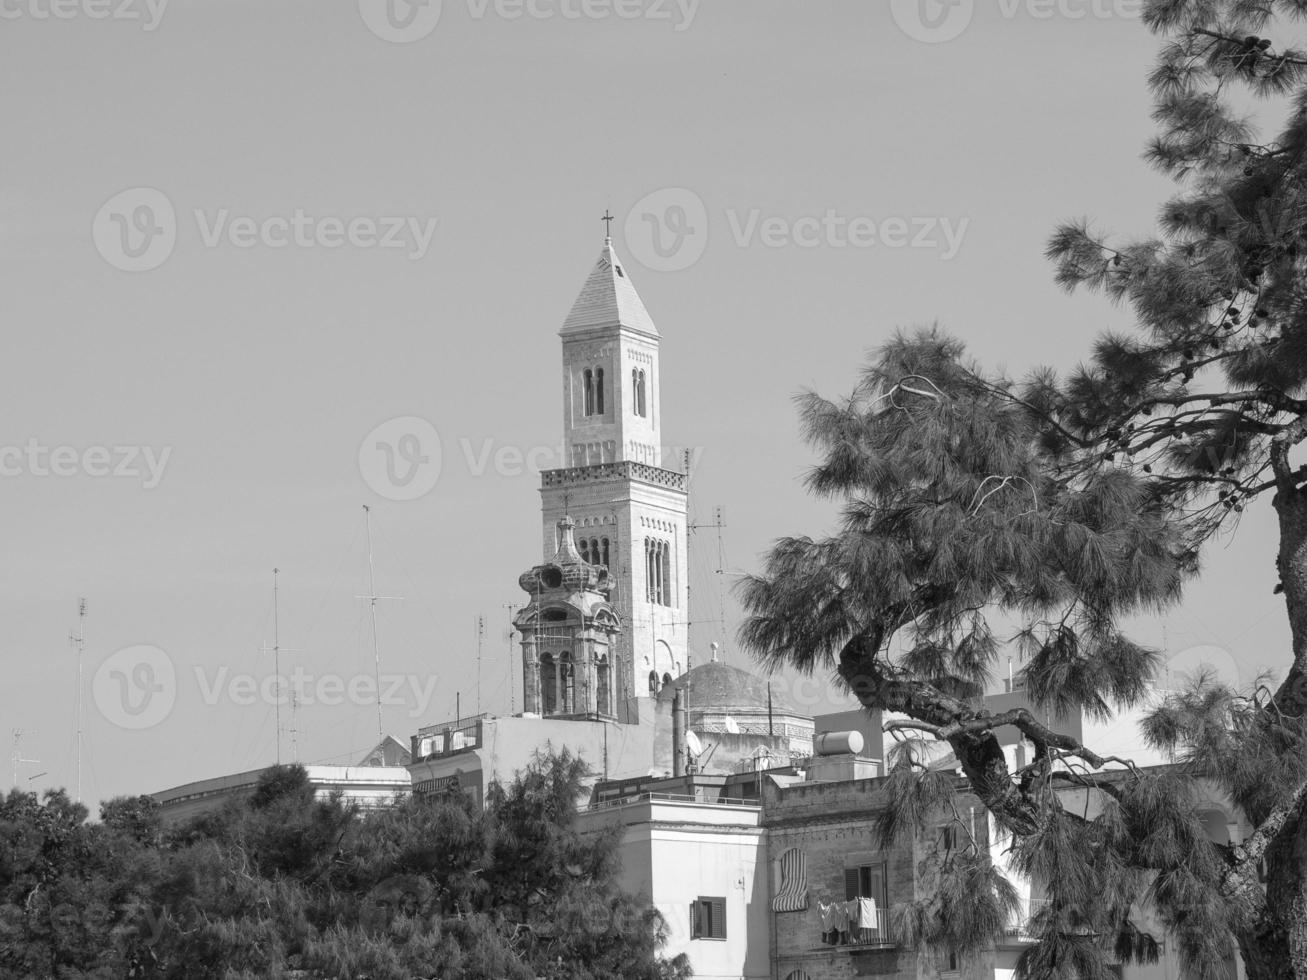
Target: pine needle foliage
<point x="1058" y="504"/>
<point x="286" y="885"/>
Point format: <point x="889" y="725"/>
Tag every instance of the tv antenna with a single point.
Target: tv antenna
<point x="78" y="640"/>
<point x="17" y="757"/>
<point x="277" y="650"/>
<point x="481" y="636"/>
<point x="508" y="640"/>
<point x="372" y="598"/>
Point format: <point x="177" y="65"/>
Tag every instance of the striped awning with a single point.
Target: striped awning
<point x="792" y="896"/>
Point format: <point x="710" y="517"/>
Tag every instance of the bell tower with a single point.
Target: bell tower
<point x="630" y="512"/>
<point x="568" y="634"/>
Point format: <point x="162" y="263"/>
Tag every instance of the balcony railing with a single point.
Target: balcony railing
<point x="1020" y="928"/>
<point x="667" y="798"/>
<point x="860" y="937"/>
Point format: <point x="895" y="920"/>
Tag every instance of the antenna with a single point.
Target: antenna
<point x="481" y="635"/>
<point x="294" y="726"/>
<point x="277" y="650"/>
<point x="372" y="598"/>
<point x="276" y="657"/>
<point x="78" y="640"/>
<point x="17" y="757"/>
<point x="719" y="521"/>
<point x="718" y="524"/>
<point x="508" y="639"/>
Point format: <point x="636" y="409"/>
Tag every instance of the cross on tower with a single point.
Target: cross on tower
<point x="608" y="220"/>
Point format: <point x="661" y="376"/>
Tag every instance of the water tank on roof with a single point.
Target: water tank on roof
<point x="837" y="743"/>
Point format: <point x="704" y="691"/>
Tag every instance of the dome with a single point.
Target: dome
<point x="719" y="687"/>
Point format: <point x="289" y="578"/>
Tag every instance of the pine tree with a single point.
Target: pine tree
<point x="1056" y="506"/>
<point x="284" y="884"/>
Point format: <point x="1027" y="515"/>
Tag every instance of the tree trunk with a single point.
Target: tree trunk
<point x="1275" y="946"/>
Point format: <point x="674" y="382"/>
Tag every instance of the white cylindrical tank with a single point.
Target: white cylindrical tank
<point x="837" y="743"/>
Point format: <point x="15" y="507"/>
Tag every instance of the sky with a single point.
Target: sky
<point x="239" y="237"/>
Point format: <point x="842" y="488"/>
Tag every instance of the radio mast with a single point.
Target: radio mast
<point x="78" y="640"/>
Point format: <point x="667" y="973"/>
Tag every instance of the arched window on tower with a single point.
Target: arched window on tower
<point x="599" y="391"/>
<point x="605" y="553"/>
<point x="548" y="685"/>
<point x="568" y="678"/>
<point x="603" y="694"/>
<point x="595" y="554"/>
<point x="638" y="391"/>
<point x="588" y="381"/>
<point x="585" y="551"/>
<point x="658" y="571"/>
<point x="653" y="682"/>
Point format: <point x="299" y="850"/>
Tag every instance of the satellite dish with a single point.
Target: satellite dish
<point x="693" y="744"/>
<point x="732" y="725"/>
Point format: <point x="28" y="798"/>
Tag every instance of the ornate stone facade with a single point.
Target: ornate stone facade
<point x="568" y="632"/>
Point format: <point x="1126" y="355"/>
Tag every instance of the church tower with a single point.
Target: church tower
<point x="630" y="512"/>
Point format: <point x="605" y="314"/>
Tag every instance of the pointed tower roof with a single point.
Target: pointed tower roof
<point x="609" y="299"/>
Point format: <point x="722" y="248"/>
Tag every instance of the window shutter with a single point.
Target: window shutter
<point x="850" y="884"/>
<point x="719" y="918"/>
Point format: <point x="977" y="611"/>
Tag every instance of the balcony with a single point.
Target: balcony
<point x="859" y="938"/>
<point x="1022" y="928"/>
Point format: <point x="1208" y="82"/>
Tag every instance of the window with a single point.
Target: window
<point x="605" y="561"/>
<point x="638" y="399"/>
<point x="708" y="918"/>
<point x="792" y="891"/>
<point x="569" y="684"/>
<point x="948" y="838"/>
<point x="653" y="682"/>
<point x="658" y="571"/>
<point x="866" y="881"/>
<point x="585" y="551"/>
<point x="592" y="386"/>
<point x="603" y="696"/>
<point x="548" y="684"/>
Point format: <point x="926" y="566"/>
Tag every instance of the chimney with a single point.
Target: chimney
<point x="678" y="732"/>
